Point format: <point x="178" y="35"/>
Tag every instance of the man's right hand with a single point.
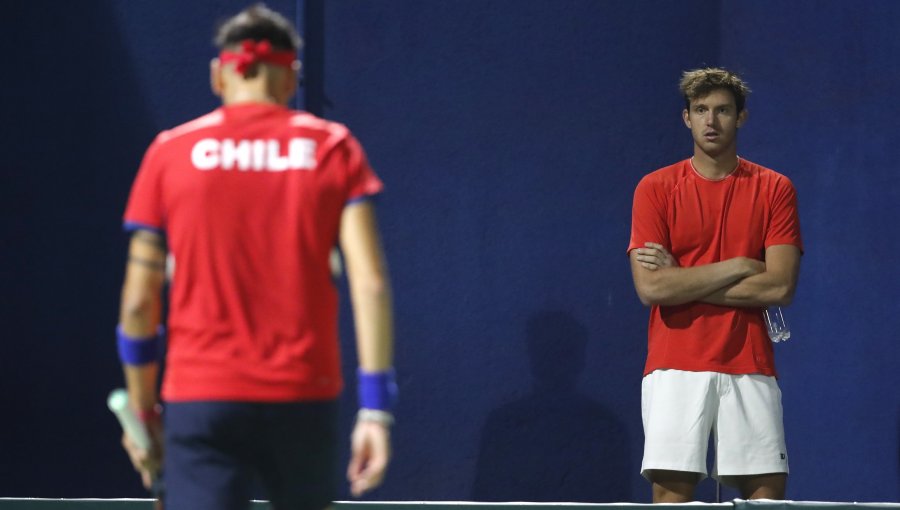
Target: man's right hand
<point x="146" y="462"/>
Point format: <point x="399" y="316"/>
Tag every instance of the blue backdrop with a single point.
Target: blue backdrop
<point x="510" y="135"/>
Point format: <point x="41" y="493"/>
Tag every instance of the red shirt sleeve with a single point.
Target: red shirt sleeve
<point x="361" y="179"/>
<point x="648" y="215"/>
<point x="145" y="204"/>
<point x="784" y="222"/>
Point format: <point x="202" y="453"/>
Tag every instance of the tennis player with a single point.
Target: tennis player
<point x="249" y="200"/>
<point x="714" y="239"/>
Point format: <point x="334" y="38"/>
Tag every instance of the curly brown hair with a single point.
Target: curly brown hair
<point x="698" y="83"/>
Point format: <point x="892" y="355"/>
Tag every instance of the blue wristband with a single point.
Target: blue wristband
<point x="377" y="390"/>
<point x="137" y="350"/>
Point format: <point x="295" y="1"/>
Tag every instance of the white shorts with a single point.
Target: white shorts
<point x="680" y="409"/>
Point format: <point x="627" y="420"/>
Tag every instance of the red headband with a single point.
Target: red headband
<point x="252" y="52"/>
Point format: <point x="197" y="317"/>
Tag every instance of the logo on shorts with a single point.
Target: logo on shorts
<point x="782" y="456"/>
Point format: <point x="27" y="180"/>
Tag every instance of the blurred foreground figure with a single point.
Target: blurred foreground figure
<point x="250" y="201"/>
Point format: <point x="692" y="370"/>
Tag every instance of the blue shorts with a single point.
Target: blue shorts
<point x="215" y="452"/>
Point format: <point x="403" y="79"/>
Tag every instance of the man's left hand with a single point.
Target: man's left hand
<point x="654" y="256"/>
<point x="371" y="451"/>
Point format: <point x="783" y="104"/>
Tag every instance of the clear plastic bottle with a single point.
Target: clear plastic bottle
<point x="776" y="325"/>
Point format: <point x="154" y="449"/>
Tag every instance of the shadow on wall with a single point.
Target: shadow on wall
<point x="555" y="444"/>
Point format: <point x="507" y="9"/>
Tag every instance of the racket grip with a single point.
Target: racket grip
<point x="131" y="424"/>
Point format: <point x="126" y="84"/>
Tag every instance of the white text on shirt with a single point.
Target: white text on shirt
<point x="256" y="155"/>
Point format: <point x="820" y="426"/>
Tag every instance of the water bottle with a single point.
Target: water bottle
<point x="776" y="325"/>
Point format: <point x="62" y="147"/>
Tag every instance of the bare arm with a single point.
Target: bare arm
<point x="774" y="286"/>
<point x="669" y="285"/>
<point x="140" y="310"/>
<point x="370" y="290"/>
<point x="139" y="316"/>
<point x="373" y="317"/>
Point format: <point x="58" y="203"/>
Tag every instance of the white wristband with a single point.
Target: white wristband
<point x="383" y="417"/>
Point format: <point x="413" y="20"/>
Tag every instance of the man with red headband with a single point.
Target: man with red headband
<point x="250" y="200"/>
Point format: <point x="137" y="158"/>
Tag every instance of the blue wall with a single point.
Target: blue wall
<point x="825" y="74"/>
<point x="510" y="135"/>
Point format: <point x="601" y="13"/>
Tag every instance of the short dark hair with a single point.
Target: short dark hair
<point x="258" y="23"/>
<point x="699" y="83"/>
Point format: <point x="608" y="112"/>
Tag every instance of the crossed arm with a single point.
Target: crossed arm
<point x="738" y="282"/>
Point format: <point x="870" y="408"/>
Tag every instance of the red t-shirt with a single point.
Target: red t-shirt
<point x="701" y="221"/>
<point x="250" y="197"/>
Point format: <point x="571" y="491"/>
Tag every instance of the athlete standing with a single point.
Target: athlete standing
<point x="250" y="199"/>
<point x="714" y="239"/>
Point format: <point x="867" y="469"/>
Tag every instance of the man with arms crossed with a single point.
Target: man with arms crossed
<point x="714" y="239"/>
<point x="250" y="199"/>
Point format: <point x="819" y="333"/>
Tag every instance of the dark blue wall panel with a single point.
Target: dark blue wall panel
<point x="510" y="135"/>
<point x="823" y="112"/>
<point x="87" y="85"/>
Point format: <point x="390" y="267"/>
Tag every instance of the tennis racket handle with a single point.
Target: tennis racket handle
<point x="131" y="424"/>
